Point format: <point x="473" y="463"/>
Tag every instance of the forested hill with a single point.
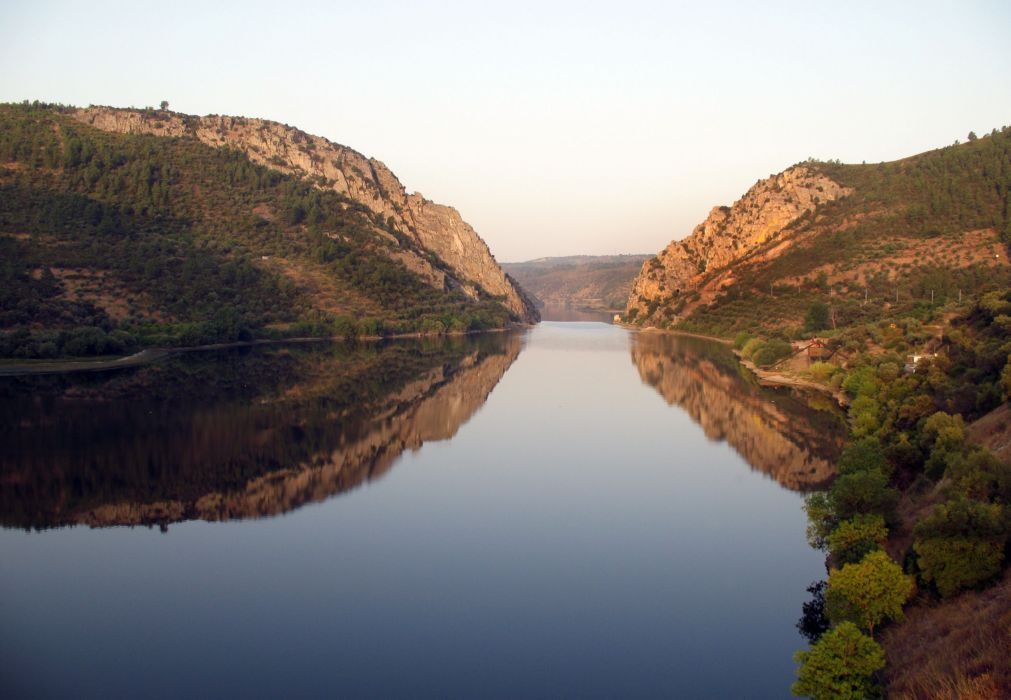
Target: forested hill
<point x="599" y="282"/>
<point x="870" y="241"/>
<point x="114" y="241"/>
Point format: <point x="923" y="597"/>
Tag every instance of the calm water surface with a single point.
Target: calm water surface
<point x="574" y="511"/>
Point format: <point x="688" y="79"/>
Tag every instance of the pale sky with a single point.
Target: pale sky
<point x="554" y="128"/>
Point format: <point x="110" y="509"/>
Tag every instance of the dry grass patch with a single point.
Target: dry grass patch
<point x="982" y="246"/>
<point x="104" y="291"/>
<point x="326" y="291"/>
<point x="993" y="431"/>
<point x="959" y="649"/>
<point x="265" y="212"/>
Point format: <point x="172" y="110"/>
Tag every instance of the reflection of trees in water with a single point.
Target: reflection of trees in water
<point x="232" y="434"/>
<point x="776" y="431"/>
<point x="814" y="622"/>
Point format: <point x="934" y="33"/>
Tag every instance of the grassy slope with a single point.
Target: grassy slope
<point x="109" y="242"/>
<point x="958" y="650"/>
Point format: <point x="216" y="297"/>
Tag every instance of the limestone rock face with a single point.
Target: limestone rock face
<point x="437" y="228"/>
<point x="729" y="234"/>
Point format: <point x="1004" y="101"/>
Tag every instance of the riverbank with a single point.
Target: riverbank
<point x="766" y="377"/>
<point x="149" y="355"/>
<point x="775" y="378"/>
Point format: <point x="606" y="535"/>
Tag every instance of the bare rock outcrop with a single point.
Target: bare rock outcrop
<point x="729" y="234"/>
<point x="435" y="227"/>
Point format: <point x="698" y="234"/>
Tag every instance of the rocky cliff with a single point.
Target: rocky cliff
<point x="435" y="227"/>
<point x="727" y="235"/>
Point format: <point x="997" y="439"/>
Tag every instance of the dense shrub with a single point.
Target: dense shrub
<point x="840" y="666"/>
<point x="863" y="455"/>
<point x="752" y="346"/>
<point x="857" y="537"/>
<point x="961" y="544"/>
<point x="771" y="352"/>
<point x="817" y="317"/>
<point x="869" y="592"/>
<point x="822" y="371"/>
<point x="865" y="492"/>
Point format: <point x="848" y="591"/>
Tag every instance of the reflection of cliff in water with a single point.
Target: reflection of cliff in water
<point x="237" y="434"/>
<point x="777" y="431"/>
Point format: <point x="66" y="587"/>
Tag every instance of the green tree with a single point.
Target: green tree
<point x="163" y="105"/>
<point x="864" y="416"/>
<point x="817" y="317"/>
<point x="821" y="519"/>
<point x="771" y="352"/>
<point x="863" y="492"/>
<point x="857" y="537"/>
<point x="862" y="381"/>
<point x="863" y="455"/>
<point x="840" y="666"/>
<point x="960" y="545"/>
<point x="869" y="592"/>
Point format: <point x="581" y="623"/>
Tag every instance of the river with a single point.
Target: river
<point x="569" y="511"/>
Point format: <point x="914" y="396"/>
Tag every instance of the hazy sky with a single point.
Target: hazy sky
<point x="555" y="128"/>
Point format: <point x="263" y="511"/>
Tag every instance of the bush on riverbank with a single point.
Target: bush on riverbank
<point x="764" y="353"/>
<point x="840" y="666"/>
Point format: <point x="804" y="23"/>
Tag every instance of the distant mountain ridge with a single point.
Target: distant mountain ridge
<point x="864" y="239"/>
<point x="599" y="282"/>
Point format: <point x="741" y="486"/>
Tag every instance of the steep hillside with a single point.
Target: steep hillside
<point x="158" y="228"/>
<point x="601" y="282"/>
<point x="868" y="241"/>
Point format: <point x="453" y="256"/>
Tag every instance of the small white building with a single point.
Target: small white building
<point x="913" y="360"/>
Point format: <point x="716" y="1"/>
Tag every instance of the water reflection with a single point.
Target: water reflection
<point x="237" y="434"/>
<point x="571" y="314"/>
<point x="791" y="436"/>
